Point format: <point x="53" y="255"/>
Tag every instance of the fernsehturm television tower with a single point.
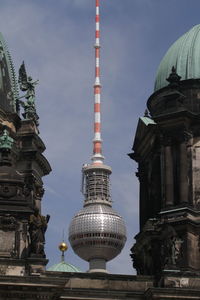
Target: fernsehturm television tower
<point x="97" y="233"/>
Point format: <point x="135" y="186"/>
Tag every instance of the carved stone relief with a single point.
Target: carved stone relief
<point x="156" y="248"/>
<point x="8" y="222"/>
<point x="7" y="243"/>
<point x="7" y="190"/>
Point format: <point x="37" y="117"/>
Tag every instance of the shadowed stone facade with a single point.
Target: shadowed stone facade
<point x="167" y="152"/>
<point x="166" y="148"/>
<point x="22" y="166"/>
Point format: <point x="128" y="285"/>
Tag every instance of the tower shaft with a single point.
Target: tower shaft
<point x="97" y="142"/>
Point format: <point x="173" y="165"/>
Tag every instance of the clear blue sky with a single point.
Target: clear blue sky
<point x="55" y="38"/>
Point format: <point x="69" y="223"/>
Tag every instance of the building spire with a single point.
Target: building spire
<point x="97" y="157"/>
<point x="97" y="233"/>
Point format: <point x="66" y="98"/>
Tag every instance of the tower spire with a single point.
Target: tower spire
<point x="97" y="233"/>
<point x="97" y="157"/>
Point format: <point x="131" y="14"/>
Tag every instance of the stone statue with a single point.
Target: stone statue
<point x="6" y="142"/>
<point x="27" y="84"/>
<point x="37" y="229"/>
<point x="138" y="259"/>
<point x="176" y="249"/>
<point x="171" y="247"/>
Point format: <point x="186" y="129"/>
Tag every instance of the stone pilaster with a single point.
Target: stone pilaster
<point x="169" y="181"/>
<point x="184" y="182"/>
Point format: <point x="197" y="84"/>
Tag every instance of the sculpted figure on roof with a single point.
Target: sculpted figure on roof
<point x="27" y="84"/>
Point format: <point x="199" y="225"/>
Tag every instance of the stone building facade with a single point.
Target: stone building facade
<point x="166" y="147"/>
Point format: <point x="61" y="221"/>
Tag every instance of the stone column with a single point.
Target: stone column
<point x="162" y="174"/>
<point x="23" y="251"/>
<point x="38" y="196"/>
<point x="142" y="176"/>
<point x="169" y="178"/>
<point x="184" y="168"/>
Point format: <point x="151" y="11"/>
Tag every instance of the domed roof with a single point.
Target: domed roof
<point x="184" y="55"/>
<point x="8" y="81"/>
<point x="63" y="267"/>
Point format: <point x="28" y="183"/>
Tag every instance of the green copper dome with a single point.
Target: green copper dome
<point x="63" y="267"/>
<point x="184" y="55"/>
<point x="8" y="81"/>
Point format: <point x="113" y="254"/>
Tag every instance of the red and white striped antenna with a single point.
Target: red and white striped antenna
<point x="97" y="157"/>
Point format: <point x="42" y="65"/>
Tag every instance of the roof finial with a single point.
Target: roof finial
<point x="173" y="78"/>
<point x="63" y="247"/>
<point x="146" y="113"/>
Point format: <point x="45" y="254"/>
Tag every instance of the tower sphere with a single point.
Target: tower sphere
<point x="184" y="55"/>
<point x="97" y="231"/>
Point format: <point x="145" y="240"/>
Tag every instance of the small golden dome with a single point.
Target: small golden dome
<point x="63" y="247"/>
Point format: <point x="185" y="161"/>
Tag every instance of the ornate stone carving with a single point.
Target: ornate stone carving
<point x="6" y="142"/>
<point x="142" y="258"/>
<point x="7" y="190"/>
<point x="176" y="282"/>
<point x="188" y="135"/>
<point x="3" y="270"/>
<point x="39" y="191"/>
<point x="24" y="230"/>
<point x="8" y="222"/>
<point x="141" y="174"/>
<point x="29" y="185"/>
<point x="184" y="136"/>
<point x="144" y="250"/>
